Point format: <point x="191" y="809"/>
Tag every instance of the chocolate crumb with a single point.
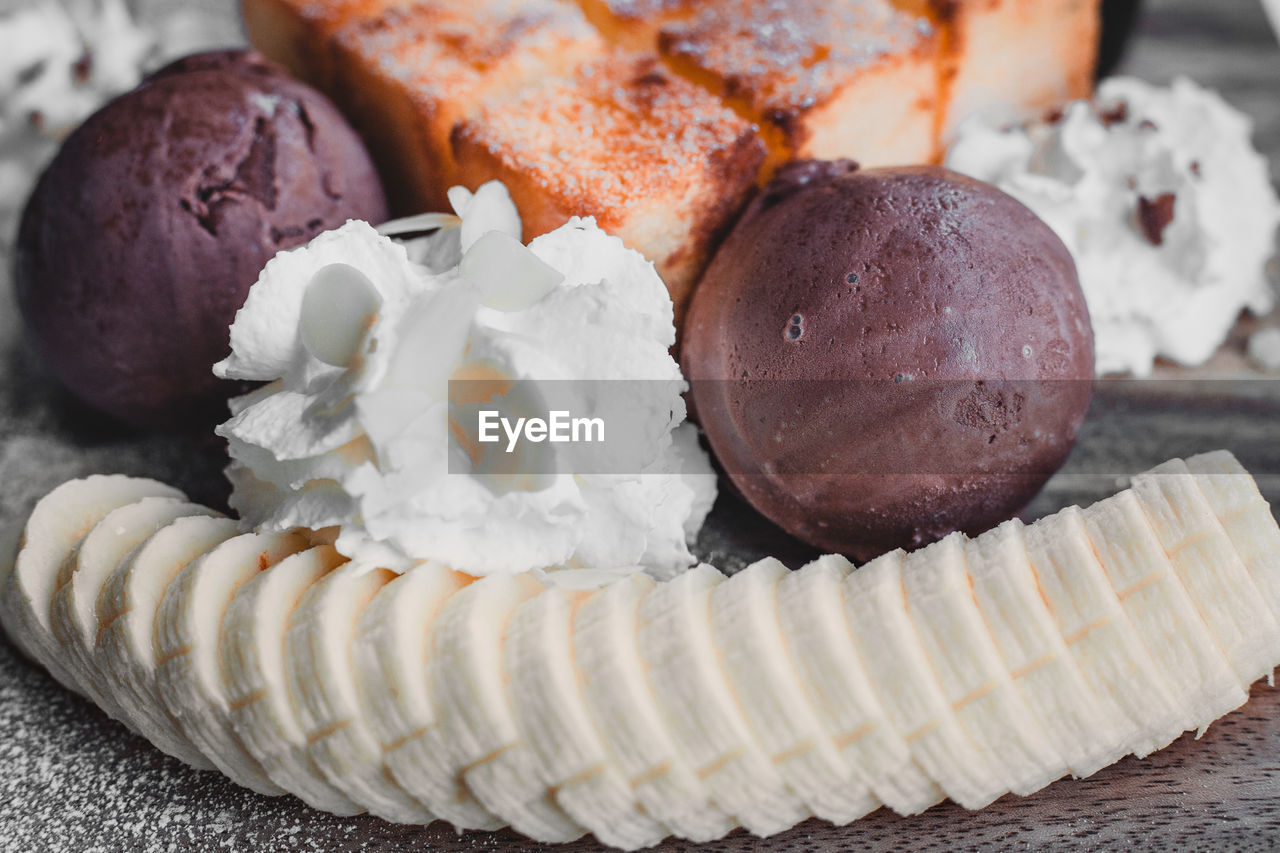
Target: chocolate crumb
<point x="1155" y="215"/>
<point x="1054" y="115"/>
<point x="1147" y="124"/>
<point x="82" y="68"/>
<point x="1114" y="115"/>
<point x="1195" y="168"/>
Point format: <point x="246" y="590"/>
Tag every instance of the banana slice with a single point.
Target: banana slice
<point x="251" y="654"/>
<point x="126" y="609"/>
<point x="57" y="522"/>
<point x="570" y="755"/>
<point x="186" y="637"/>
<point x="1198" y="675"/>
<point x="1088" y="734"/>
<point x="812" y="615"/>
<point x="678" y="646"/>
<point x="889" y="645"/>
<point x="753" y="653"/>
<point x="1231" y="604"/>
<point x="74" y="610"/>
<point x="1095" y="627"/>
<point x="391" y="654"/>
<point x="319" y="666"/>
<point x="629" y="718"/>
<point x="476" y="717"/>
<point x="969" y="668"/>
<point x="1246" y="517"/>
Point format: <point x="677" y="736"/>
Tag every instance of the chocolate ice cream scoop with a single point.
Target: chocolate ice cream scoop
<point x="881" y="357"/>
<point x="143" y="236"/>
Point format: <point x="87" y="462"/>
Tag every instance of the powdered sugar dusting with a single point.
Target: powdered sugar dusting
<point x="75" y="780"/>
<point x="785" y="55"/>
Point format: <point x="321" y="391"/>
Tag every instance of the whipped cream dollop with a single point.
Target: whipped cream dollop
<point x="1162" y="199"/>
<point x="359" y="337"/>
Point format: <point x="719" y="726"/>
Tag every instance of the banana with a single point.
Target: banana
<point x="322" y="684"/>
<point x="973" y="676"/>
<point x="1087" y="733"/>
<point x="633" y="711"/>
<point x="1184" y="651"/>
<point x="1245" y="516"/>
<point x="186" y="637"/>
<point x="252" y="659"/>
<point x="811" y="613"/>
<point x="58" y="520"/>
<point x="476" y="714"/>
<point x="1231" y="604"/>
<point x="390" y="655"/>
<point x="677" y="645"/>
<point x="126" y="608"/>
<point x="569" y="753"/>
<point x="899" y="668"/>
<point x="1095" y="627"/>
<point x="629" y="718"/>
<point x="73" y="613"/>
<point x="748" y="634"/>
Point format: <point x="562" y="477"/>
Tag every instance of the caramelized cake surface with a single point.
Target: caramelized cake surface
<point x="807" y="71"/>
<point x="654" y="158"/>
<point x="655" y="116"/>
<point x="408" y="75"/>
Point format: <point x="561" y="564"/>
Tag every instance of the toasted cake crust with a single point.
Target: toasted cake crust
<point x="657" y="116"/>
<point x="655" y="159"/>
<point x="408" y="75"/>
<point x="795" y="65"/>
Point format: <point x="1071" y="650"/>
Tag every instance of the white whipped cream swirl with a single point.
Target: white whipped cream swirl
<point x="1172" y="287"/>
<point x="359" y="336"/>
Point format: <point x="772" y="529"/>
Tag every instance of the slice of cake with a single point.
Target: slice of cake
<point x="1010" y="60"/>
<point x="407" y="75"/>
<point x="657" y="160"/>
<point x="853" y="79"/>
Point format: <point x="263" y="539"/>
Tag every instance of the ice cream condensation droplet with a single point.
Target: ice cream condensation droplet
<point x="358" y="337"/>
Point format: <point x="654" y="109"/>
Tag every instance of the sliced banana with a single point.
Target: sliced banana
<point x="754" y="656"/>
<point x="1087" y="733"/>
<point x="84" y="571"/>
<point x="551" y="709"/>
<point x="322" y="684"/>
<point x="628" y="716"/>
<point x="971" y="672"/>
<point x="391" y="654"/>
<point x="58" y="521"/>
<point x="1184" y="651"/>
<point x="126" y="608"/>
<point x="1096" y="628"/>
<point x="186" y="638"/>
<point x="1245" y="516"/>
<point x="683" y="664"/>
<point x="476" y="715"/>
<point x="1220" y="585"/>
<point x="251" y="654"/>
<point x="969" y="667"/>
<point x="811" y="612"/>
<point x="889" y="644"/>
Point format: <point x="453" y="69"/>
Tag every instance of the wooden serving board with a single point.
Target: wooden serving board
<point x="73" y="780"/>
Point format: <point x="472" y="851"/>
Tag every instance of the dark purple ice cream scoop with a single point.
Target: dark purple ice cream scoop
<point x="143" y="236"/>
<point x="881" y="357"/>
